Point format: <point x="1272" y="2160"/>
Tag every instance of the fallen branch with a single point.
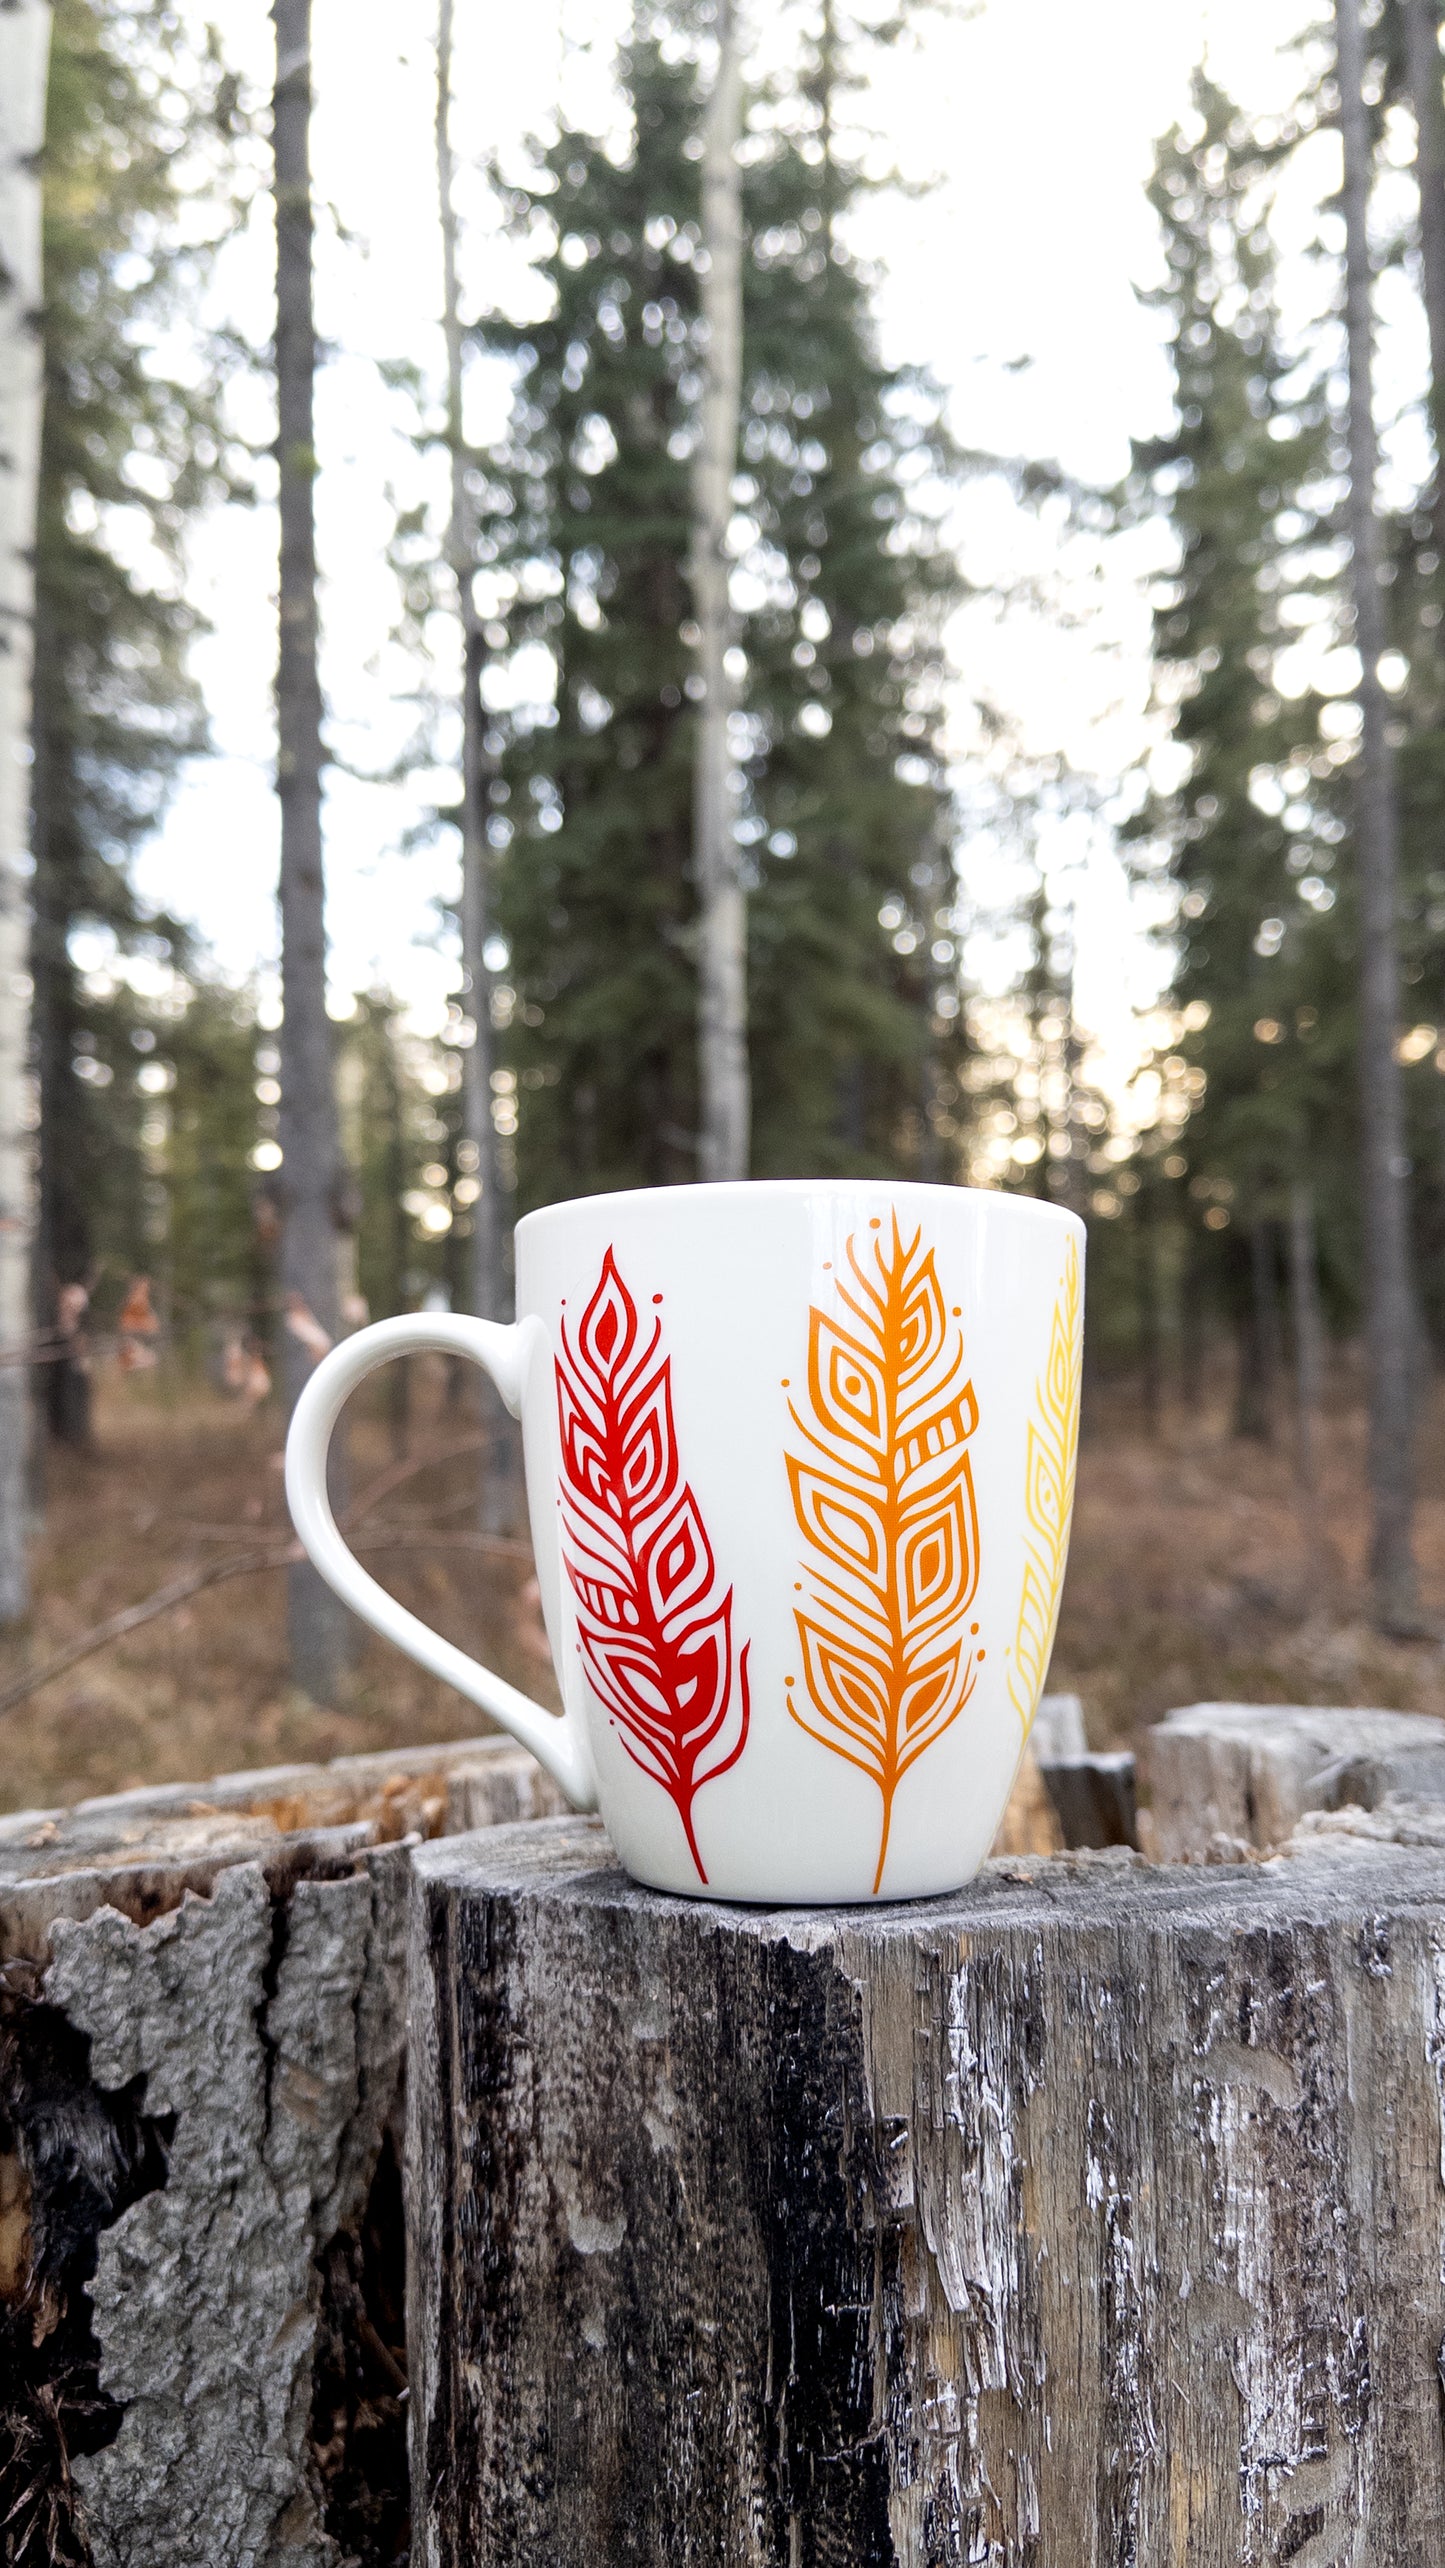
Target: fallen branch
<point x="393" y="1477"/>
<point x="116" y="1626"/>
<point x="437" y="1538"/>
<point x="396" y="1472"/>
<point x="178" y="1591"/>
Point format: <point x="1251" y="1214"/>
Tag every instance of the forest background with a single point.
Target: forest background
<point x="1114" y="957"/>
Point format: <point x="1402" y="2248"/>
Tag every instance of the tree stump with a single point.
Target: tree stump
<point x="1091" y="1791"/>
<point x="202" y="2021"/>
<point x="1220" y="1779"/>
<point x="1094" y="1798"/>
<point x="1092" y="2216"/>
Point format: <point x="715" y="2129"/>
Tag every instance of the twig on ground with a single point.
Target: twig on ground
<point x="407" y="1469"/>
<point x="393" y="1477"/>
<point x="116" y="1626"/>
<point x="178" y="1591"/>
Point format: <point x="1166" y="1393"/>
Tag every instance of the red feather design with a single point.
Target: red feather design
<point x="655" y="1634"/>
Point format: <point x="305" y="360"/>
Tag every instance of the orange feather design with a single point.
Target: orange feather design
<point x="883" y="1494"/>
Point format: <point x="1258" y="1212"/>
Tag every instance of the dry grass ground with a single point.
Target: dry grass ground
<point x="178" y="1480"/>
<point x="1190" y="1578"/>
<point x="1194" y="1574"/>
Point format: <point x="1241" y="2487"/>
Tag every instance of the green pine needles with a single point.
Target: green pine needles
<point x="842" y="584"/>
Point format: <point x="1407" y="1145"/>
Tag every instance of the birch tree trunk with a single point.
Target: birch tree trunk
<point x="722" y="927"/>
<point x="1389" y="1326"/>
<point x="1423" y="72"/>
<point x="24" y="56"/>
<point x="486" y="1272"/>
<point x="312" y="1190"/>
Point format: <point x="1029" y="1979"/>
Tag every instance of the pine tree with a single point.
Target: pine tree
<point x="854" y="1015"/>
<point x="198" y="1079"/>
<point x="589" y="523"/>
<point x="840" y="587"/>
<point x="116" y="711"/>
<point x="1263" y="976"/>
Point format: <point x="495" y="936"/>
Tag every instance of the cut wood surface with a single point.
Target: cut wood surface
<point x="202" y="2022"/>
<point x="1092" y="2216"/>
<point x="1221" y="1779"/>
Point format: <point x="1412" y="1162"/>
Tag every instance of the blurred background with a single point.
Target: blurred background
<point x="929" y="516"/>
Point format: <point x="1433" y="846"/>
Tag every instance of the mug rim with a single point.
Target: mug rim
<point x="994" y="1196"/>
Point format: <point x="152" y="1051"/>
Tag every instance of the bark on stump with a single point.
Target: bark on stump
<point x="1221" y="1779"/>
<point x="1092" y="2216"/>
<point x="202" y="2021"/>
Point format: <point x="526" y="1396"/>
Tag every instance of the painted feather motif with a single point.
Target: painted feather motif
<point x="655" y="1634"/>
<point x="883" y="1494"/>
<point x="1050" y="1465"/>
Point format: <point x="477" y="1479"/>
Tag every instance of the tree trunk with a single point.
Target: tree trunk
<point x="1091" y="2215"/>
<point x="487" y="1295"/>
<point x="312" y="1181"/>
<point x="1423" y="72"/>
<point x="1192" y="1320"/>
<point x="1307" y="1334"/>
<point x="398" y="1373"/>
<point x="722" y="925"/>
<point x="1226" y="1779"/>
<point x="24" y="57"/>
<point x="1390" y="1328"/>
<point x="1093" y="1797"/>
<point x="1146" y="1289"/>
<point x="62" y="1263"/>
<point x="62" y="1267"/>
<point x="1258" y="1341"/>
<point x="202" y="2020"/>
<point x="1264" y="1318"/>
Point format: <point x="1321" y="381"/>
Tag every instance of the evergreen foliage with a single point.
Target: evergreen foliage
<point x="854" y="970"/>
<point x="1264" y="971"/>
<point x="198" y="1134"/>
<point x="129" y="452"/>
<point x="840" y="585"/>
<point x="400" y="1130"/>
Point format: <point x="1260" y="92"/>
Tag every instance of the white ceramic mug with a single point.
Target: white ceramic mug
<point x="800" y="1466"/>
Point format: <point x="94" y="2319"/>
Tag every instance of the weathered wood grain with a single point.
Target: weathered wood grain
<point x="1091" y="2219"/>
<point x="1219" y="1779"/>
<point x="202" y="2024"/>
<point x="1094" y="1798"/>
<point x="1090" y="1791"/>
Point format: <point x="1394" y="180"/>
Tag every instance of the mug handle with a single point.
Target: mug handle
<point x="558" y="1743"/>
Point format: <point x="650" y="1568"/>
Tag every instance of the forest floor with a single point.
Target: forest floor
<point x="1190" y="1579"/>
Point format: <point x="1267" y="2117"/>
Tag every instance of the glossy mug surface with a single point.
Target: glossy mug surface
<point x="800" y="1467"/>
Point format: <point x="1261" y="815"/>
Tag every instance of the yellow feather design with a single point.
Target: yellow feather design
<point x="883" y="1495"/>
<point x="1053" y="1453"/>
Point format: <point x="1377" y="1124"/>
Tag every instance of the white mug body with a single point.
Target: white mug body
<point x="800" y="1464"/>
<point x="800" y="1470"/>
